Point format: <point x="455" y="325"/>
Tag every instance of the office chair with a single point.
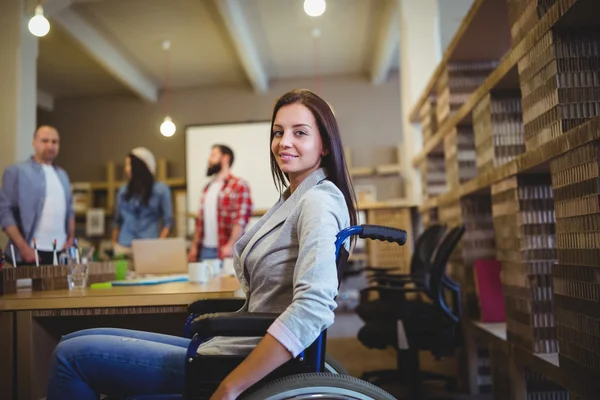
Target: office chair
<point x="304" y="376"/>
<point x="427" y="326"/>
<point x="420" y="266"/>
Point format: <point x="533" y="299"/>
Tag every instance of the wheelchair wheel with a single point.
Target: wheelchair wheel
<point x="318" y="385"/>
<point x="334" y="367"/>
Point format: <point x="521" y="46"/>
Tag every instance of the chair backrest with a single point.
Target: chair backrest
<point x="425" y="246"/>
<point x="437" y="274"/>
<point x="314" y="355"/>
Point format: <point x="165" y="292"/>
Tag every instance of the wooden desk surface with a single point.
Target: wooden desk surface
<point x="167" y="294"/>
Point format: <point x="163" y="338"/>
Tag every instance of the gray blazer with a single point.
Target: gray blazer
<point x="22" y="198"/>
<point x="286" y="264"/>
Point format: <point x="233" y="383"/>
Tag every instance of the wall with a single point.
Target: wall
<point x="97" y="130"/>
<point x="451" y="14"/>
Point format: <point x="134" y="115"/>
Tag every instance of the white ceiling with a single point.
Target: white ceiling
<point x="98" y="47"/>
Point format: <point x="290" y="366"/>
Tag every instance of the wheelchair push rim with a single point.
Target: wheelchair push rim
<point x="318" y="386"/>
<point x="320" y="393"/>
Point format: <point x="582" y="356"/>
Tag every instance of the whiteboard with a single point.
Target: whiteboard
<point x="251" y="149"/>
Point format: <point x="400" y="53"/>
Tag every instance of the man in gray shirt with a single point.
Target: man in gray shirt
<point x="36" y="202"/>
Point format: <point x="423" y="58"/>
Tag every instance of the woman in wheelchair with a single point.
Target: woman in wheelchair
<point x="286" y="264"/>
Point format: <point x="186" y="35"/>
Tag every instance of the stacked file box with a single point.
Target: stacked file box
<point x="498" y="127"/>
<point x="523" y="15"/>
<point x="433" y="175"/>
<point x="560" y="83"/>
<point x="575" y="177"/>
<point x="524" y="224"/>
<point x="456" y="84"/>
<point x="459" y="151"/>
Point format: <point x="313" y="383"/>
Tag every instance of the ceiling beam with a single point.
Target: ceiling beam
<point x="106" y="54"/>
<point x="232" y="15"/>
<point x="45" y="100"/>
<point x="388" y="40"/>
<point x="52" y="7"/>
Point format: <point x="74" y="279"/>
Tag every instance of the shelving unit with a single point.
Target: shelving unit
<point x="534" y="126"/>
<point x="376" y="170"/>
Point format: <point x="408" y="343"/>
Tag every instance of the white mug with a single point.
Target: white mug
<point x="214" y="265"/>
<point x="228" y="268"/>
<point x="199" y="272"/>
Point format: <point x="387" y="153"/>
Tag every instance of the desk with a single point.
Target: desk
<point x="31" y="323"/>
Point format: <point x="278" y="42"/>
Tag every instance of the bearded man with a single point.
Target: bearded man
<point x="224" y="211"/>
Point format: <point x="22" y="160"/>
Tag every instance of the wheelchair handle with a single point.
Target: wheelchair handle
<point x="377" y="232"/>
<point x="383" y="233"/>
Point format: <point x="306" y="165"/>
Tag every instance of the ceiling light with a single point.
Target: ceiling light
<point x="314" y="8"/>
<point x="38" y="24"/>
<point x="168" y="128"/>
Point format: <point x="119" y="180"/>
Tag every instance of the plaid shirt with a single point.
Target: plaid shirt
<point x="234" y="206"/>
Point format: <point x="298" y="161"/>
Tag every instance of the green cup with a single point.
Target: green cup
<point x="121" y="270"/>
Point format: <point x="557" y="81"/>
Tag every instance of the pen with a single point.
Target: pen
<point x="54" y="259"/>
<point x="37" y="260"/>
<point x="12" y="253"/>
<point x="76" y="244"/>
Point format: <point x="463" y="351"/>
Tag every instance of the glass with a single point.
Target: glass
<point x="77" y="276"/>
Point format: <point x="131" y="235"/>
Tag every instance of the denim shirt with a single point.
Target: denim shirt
<point x="22" y="198"/>
<point x="139" y="221"/>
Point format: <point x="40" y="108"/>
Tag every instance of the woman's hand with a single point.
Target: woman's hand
<point x="268" y="355"/>
<point x="224" y="392"/>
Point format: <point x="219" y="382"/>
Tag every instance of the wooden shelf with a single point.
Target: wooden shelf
<point x="379" y="170"/>
<point x="505" y="76"/>
<point x="356" y="172"/>
<point x="528" y="161"/>
<point x="484" y="18"/>
<point x="378" y="205"/>
<point x="388" y="169"/>
<point x="548" y="365"/>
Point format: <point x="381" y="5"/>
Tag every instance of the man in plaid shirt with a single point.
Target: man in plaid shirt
<point x="225" y="208"/>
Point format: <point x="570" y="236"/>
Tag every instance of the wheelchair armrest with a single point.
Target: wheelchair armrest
<point x="205" y="306"/>
<point x="391" y="290"/>
<point x="381" y="270"/>
<point x="397" y="280"/>
<point x="233" y="324"/>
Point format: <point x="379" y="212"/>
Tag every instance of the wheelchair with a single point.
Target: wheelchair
<point x="307" y="376"/>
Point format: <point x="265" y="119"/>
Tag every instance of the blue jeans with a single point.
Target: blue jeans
<point x="209" y="253"/>
<point x="118" y="363"/>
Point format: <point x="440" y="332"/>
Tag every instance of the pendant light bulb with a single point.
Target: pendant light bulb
<point x="38" y="24"/>
<point x="168" y="128"/>
<point x="314" y="8"/>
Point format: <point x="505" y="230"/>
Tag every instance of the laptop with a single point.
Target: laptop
<point x="159" y="256"/>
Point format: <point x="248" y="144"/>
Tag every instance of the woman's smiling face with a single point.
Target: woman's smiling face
<point x="296" y="144"/>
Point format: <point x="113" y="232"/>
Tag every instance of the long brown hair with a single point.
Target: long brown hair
<point x="141" y="183"/>
<point x="335" y="161"/>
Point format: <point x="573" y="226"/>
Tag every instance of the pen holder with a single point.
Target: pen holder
<point x="50" y="277"/>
